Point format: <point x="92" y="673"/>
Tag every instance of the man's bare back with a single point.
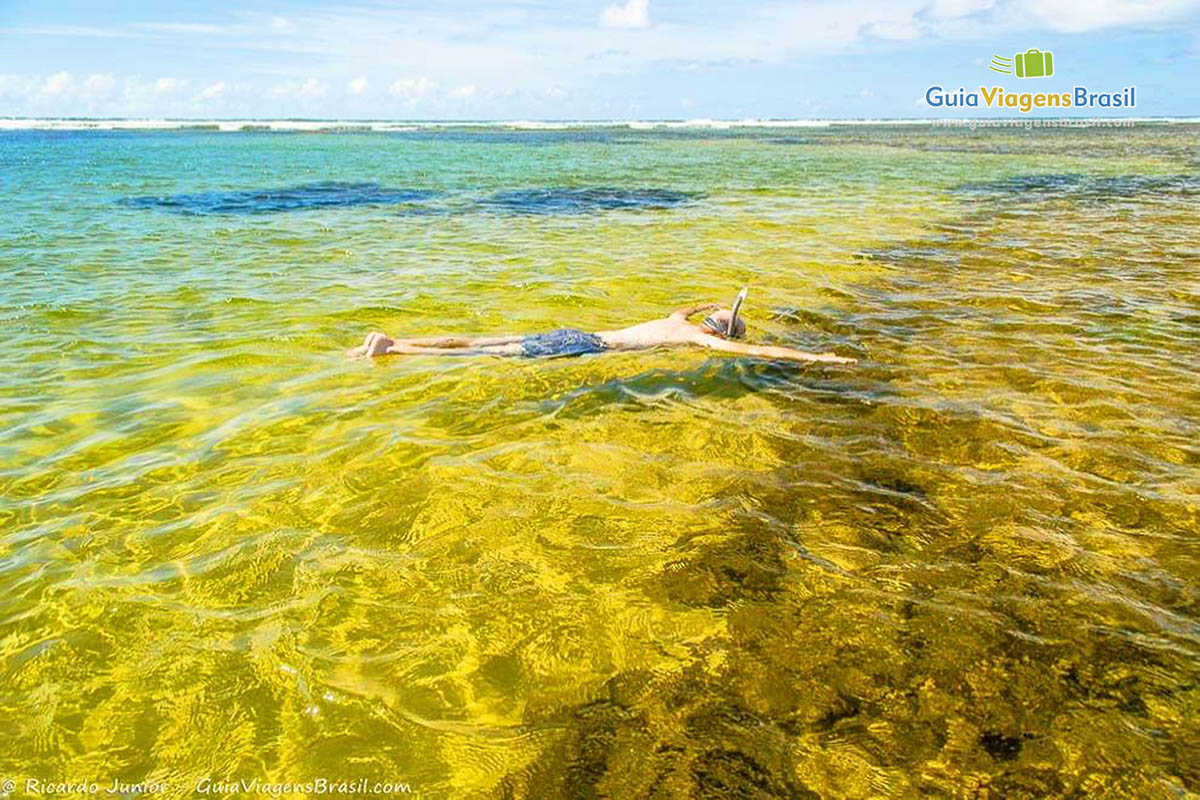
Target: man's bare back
<point x="673" y="330"/>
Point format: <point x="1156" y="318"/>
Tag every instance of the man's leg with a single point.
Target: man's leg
<point x="378" y="344"/>
<point x="458" y="342"/>
<point x="404" y="347"/>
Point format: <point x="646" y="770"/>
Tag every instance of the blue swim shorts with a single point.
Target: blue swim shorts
<point x="561" y="343"/>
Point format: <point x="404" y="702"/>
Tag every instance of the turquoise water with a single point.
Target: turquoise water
<point x="965" y="567"/>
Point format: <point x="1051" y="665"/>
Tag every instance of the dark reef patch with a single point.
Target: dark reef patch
<point x="724" y="772"/>
<point x="324" y="194"/>
<point x="336" y="194"/>
<point x="1087" y="187"/>
<point x="999" y="746"/>
<point x="553" y="200"/>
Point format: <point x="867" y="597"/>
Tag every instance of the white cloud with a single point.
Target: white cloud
<point x="865" y="93"/>
<point x="895" y="30"/>
<point x="185" y="28"/>
<point x="167" y="85"/>
<point x="412" y="89"/>
<point x="17" y="87"/>
<point x="307" y="90"/>
<point x="280" y="23"/>
<point x="634" y="14"/>
<point x="357" y="86"/>
<point x="1078" y="16"/>
<point x="953" y="9"/>
<point x="98" y="86"/>
<point x="61" y="93"/>
<point x="213" y="91"/>
<point x="57" y="83"/>
<point x="312" y="88"/>
<point x="973" y="19"/>
<point x="463" y="92"/>
<point x="68" y="30"/>
<point x="687" y="102"/>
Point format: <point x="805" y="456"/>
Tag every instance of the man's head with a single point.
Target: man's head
<point x="717" y="323"/>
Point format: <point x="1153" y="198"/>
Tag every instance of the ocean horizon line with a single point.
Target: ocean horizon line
<point x="316" y="124"/>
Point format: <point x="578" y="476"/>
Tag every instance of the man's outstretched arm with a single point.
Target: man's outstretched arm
<point x="766" y="351"/>
<point x="688" y="311"/>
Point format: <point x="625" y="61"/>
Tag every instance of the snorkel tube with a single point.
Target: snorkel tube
<point x="729" y="330"/>
<point x="737" y="306"/>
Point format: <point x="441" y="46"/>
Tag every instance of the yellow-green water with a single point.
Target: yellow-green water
<point x="966" y="567"/>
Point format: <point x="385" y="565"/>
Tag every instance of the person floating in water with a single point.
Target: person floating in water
<point x="717" y="332"/>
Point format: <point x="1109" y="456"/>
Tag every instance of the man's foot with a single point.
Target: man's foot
<point x="376" y="344"/>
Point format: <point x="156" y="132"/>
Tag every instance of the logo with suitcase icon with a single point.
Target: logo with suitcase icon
<point x="1033" y="63"/>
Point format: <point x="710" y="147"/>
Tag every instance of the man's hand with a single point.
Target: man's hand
<point x="688" y="311"/>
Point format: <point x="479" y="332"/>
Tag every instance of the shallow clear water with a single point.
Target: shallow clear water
<point x="968" y="565"/>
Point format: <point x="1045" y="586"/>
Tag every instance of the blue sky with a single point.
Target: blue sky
<point x="576" y="59"/>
